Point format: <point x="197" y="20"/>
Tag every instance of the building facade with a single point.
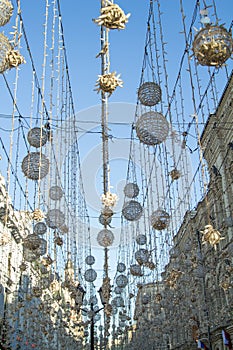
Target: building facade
<point x="37" y="308"/>
<point x="194" y="300"/>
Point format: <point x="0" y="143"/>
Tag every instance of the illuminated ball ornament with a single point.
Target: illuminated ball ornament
<point x="37" y="137"/>
<point x="105" y="217"/>
<point x="103" y="220"/>
<point x="93" y="300"/>
<point x="105" y="238"/>
<point x="117" y="290"/>
<point x="152" y="128"/>
<point x="43" y="246"/>
<point x="40" y="228"/>
<point x="32" y="242"/>
<point x="90" y="260"/>
<point x="122" y="281"/>
<point x="118" y="302"/>
<point x="141" y="239"/>
<point x="142" y="256"/>
<point x="160" y="219"/>
<point x="6" y="11"/>
<point x="90" y="275"/>
<point x="136" y="270"/>
<point x="55" y="218"/>
<point x="212" y="46"/>
<point x="33" y="247"/>
<point x="5" y="48"/>
<point x="131" y="190"/>
<point x="55" y="193"/>
<point x="30" y="255"/>
<point x="149" y="94"/>
<point x="121" y="267"/>
<point x="132" y="210"/>
<point x="35" y="166"/>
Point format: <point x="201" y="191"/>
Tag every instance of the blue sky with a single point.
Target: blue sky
<point x="82" y="39"/>
<point x="126" y="46"/>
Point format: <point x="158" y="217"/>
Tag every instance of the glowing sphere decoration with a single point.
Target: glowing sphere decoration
<point x="141" y="239"/>
<point x="6" y="11"/>
<point x="35" y="166"/>
<point x="97" y="317"/>
<point x="31" y="255"/>
<point x="149" y="94"/>
<point x="40" y="228"/>
<point x="212" y="46"/>
<point x="93" y="300"/>
<point x="90" y="275"/>
<point x="43" y="246"/>
<point x="117" y="290"/>
<point x="32" y="242"/>
<point x="122" y="281"/>
<point x="33" y="247"/>
<point x="121" y="267"/>
<point x="55" y="193"/>
<point x="118" y="302"/>
<point x="55" y="218"/>
<point x="142" y="256"/>
<point x="132" y="210"/>
<point x="122" y="324"/>
<point x="105" y="238"/>
<point x="152" y="128"/>
<point x="136" y="270"/>
<point x="37" y="137"/>
<point x="5" y="48"/>
<point x="131" y="190"/>
<point x="105" y="217"/>
<point x="160" y="219"/>
<point x="90" y="260"/>
<point x="105" y="220"/>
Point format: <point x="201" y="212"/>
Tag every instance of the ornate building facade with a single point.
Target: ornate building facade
<point x="37" y="309"/>
<point x="194" y="300"/>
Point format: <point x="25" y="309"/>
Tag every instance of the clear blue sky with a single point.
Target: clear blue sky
<point x="126" y="46"/>
<point x="82" y="38"/>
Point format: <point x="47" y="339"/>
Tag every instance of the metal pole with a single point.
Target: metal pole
<point x="104" y="107"/>
<point x="92" y="328"/>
